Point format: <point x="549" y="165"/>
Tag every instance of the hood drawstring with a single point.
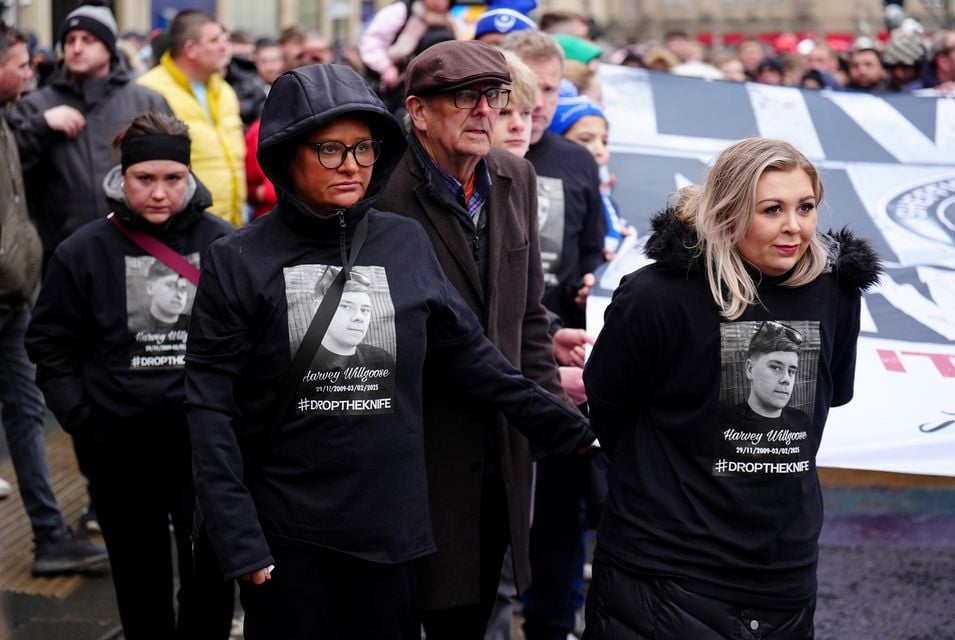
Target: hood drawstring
<point x="341" y="242"/>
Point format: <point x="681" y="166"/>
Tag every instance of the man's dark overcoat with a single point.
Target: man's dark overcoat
<point x="457" y="428"/>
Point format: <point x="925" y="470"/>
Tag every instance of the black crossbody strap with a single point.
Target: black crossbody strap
<point x="313" y="339"/>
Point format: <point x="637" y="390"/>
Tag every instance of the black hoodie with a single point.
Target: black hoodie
<point x="701" y="489"/>
<point x="92" y="336"/>
<point x="345" y="470"/>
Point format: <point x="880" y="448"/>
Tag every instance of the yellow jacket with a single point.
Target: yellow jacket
<point x="218" y="144"/>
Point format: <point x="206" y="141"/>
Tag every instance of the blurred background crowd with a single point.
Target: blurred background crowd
<point x="903" y="54"/>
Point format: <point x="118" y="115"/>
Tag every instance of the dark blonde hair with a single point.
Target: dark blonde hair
<point x="723" y="208"/>
<point x="523" y="81"/>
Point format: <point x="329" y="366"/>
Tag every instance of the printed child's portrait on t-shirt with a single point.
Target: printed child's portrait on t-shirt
<point x="767" y="398"/>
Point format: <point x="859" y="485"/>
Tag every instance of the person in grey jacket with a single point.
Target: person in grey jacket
<point x="58" y="548"/>
<point x="64" y="131"/>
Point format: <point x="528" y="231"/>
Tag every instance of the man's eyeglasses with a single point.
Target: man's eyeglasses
<point x="470" y="98"/>
<point x="773" y="327"/>
<point x="332" y="153"/>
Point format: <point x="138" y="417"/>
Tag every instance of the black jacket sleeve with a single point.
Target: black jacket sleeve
<point x="613" y="375"/>
<point x="216" y="354"/>
<point x="58" y="341"/>
<point x="34" y="136"/>
<point x="594" y="228"/>
<point x="457" y="341"/>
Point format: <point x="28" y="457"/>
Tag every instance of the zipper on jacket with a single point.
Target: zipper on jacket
<point x="342" y="227"/>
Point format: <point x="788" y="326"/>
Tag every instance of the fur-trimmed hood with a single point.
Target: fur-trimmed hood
<point x="852" y="260"/>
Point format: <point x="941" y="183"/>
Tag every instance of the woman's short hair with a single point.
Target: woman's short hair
<point x="152" y="123"/>
<point x="723" y="208"/>
<point x="523" y="81"/>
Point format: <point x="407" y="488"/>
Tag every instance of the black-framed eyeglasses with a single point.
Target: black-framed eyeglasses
<point x="777" y="328"/>
<point x="470" y="98"/>
<point x="332" y="153"/>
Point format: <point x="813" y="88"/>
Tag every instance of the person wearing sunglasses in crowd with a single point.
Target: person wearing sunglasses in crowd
<point x="712" y="520"/>
<point x="322" y="515"/>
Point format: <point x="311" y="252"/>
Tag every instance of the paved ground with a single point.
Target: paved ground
<point x="887" y="565"/>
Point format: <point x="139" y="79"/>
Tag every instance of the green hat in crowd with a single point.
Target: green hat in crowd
<point x="577" y="49"/>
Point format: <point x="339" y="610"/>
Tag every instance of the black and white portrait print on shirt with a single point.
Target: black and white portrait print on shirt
<point x="353" y="371"/>
<point x="158" y="307"/>
<point x="767" y="396"/>
<point x="550" y="223"/>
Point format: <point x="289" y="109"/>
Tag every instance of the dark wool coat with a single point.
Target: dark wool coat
<point x="456" y="428"/>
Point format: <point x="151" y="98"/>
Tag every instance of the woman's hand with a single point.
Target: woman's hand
<point x="260" y="576"/>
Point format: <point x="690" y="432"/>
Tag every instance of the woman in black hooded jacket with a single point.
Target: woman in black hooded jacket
<point x="322" y="515"/>
<point x="108" y="338"/>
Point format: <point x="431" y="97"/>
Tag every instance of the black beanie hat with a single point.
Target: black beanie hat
<point x="97" y="20"/>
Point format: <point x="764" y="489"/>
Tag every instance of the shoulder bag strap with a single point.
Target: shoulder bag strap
<point x="159" y="250"/>
<point x="313" y="339"/>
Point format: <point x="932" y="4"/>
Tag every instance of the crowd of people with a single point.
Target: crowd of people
<point x="320" y="309"/>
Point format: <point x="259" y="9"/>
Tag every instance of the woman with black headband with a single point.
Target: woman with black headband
<point x="109" y="338"/>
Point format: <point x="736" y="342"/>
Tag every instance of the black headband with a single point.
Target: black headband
<point x="154" y="146"/>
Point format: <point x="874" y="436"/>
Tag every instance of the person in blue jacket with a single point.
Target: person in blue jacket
<point x="712" y="521"/>
<point x="322" y="516"/>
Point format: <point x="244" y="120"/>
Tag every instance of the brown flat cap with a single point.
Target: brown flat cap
<point x="455" y="64"/>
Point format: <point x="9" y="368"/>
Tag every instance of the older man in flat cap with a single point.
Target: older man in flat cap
<point x="479" y="206"/>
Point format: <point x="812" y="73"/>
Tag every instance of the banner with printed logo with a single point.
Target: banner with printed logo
<point x="888" y="166"/>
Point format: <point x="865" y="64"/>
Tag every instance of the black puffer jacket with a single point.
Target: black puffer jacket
<point x="64" y="176"/>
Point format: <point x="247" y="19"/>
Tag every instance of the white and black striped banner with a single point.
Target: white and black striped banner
<point x="888" y="164"/>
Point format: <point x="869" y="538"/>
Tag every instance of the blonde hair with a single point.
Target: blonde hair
<point x="523" y="81"/>
<point x="723" y="208"/>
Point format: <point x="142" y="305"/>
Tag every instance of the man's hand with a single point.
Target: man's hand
<point x="569" y="346"/>
<point x="260" y="576"/>
<point x="572" y="380"/>
<point x="586" y="283"/>
<point x="66" y="119"/>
